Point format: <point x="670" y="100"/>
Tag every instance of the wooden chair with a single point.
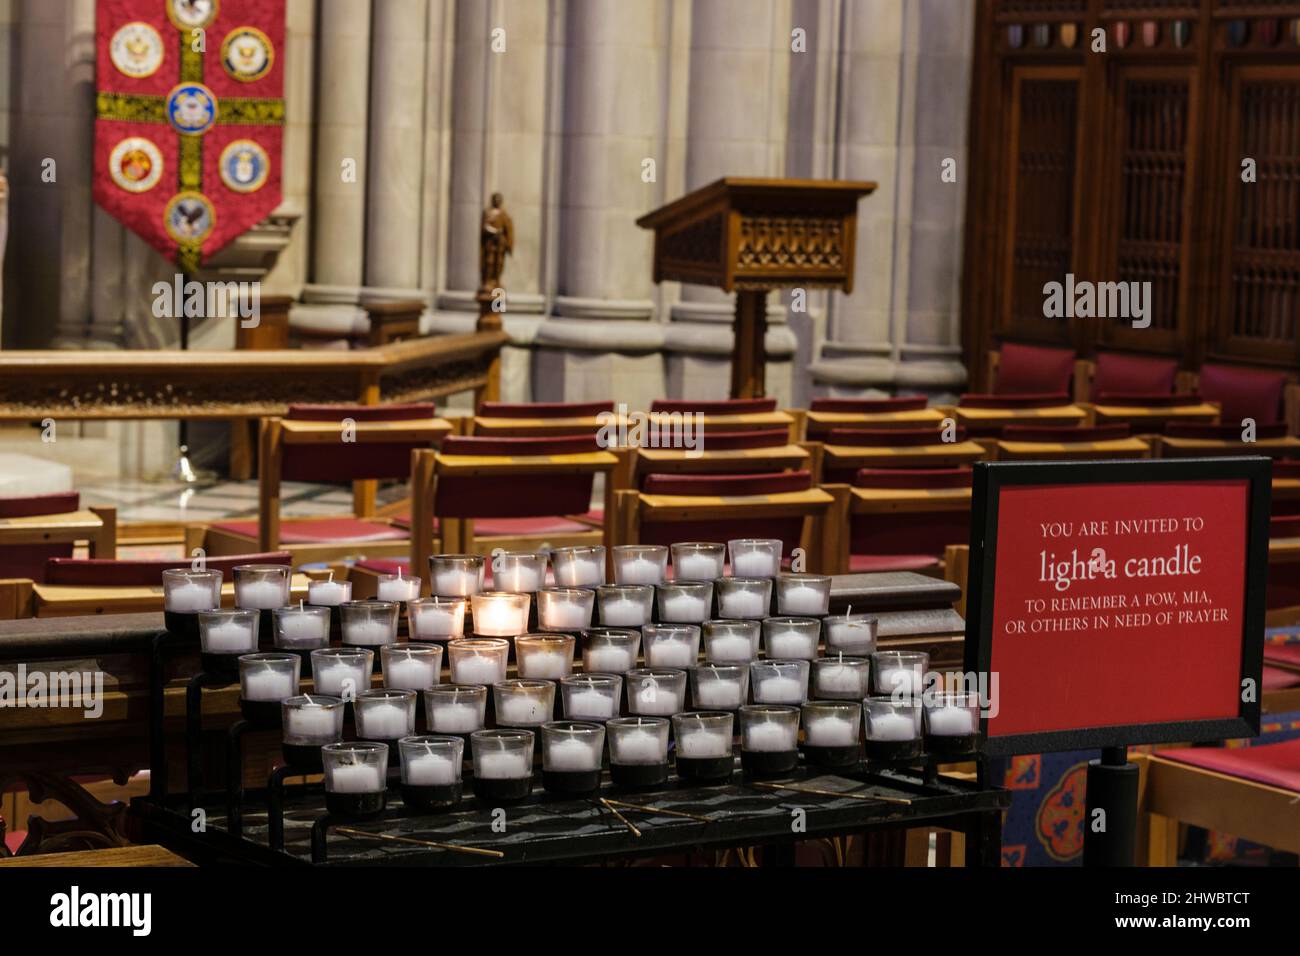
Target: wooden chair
<point x="848" y="450"/>
<point x="905" y="519"/>
<point x="311" y="444"/>
<point x="732" y="414"/>
<point x="511" y="493"/>
<point x="1124" y="373"/>
<point x="671" y="508"/>
<point x="532" y="419"/>
<point x="768" y="450"/>
<point x="985" y="415"/>
<point x="1241" y="393"/>
<point x="1068" y="443"/>
<point x="826" y="414"/>
<point x="1186" y="440"/>
<point x="35" y="528"/>
<point x="1019" y="369"/>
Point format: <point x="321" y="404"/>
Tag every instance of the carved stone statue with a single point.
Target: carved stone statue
<point x="496" y="241"/>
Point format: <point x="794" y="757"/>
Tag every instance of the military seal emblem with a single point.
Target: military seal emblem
<point x="191" y="109"/>
<point x="247" y="54"/>
<point x="244" y="166"/>
<point x="136" y="164"/>
<point x="189" y="218"/>
<point x="191" y="14"/>
<point x="136" y="50"/>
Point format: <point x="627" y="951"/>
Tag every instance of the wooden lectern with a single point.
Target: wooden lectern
<point x="751" y="236"/>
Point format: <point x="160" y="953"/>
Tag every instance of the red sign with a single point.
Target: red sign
<point x="189" y="119"/>
<point x="1118" y="603"/>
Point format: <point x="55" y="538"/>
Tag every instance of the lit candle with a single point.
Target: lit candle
<point x="831" y="732"/>
<point x="356" y="778"/>
<point x="430" y="770"/>
<point x="329" y="593"/>
<point x="500" y="614"/>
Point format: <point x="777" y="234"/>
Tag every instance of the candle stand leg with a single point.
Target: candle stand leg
<point x="194" y="733"/>
<point x="235" y="777"/>
<point x="1110" y="837"/>
<point x="275" y="805"/>
<point x="319" y="833"/>
<point x="157" y="720"/>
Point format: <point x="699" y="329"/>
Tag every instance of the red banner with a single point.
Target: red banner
<point x="189" y="119"/>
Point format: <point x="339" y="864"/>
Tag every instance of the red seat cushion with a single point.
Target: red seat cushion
<point x="862" y="563"/>
<point x="730" y="406"/>
<point x="1028" y="369"/>
<point x="1065" y="433"/>
<point x="959" y="477"/>
<point x="543" y="409"/>
<point x="869" y="406"/>
<point x="891" y="437"/>
<point x="525" y="446"/>
<point x="1283" y="654"/>
<point x="109" y="572"/>
<point x="1135" y="374"/>
<point x="1276" y="678"/>
<point x="1025" y="400"/>
<point x="1244" y="392"/>
<point x="1274" y="765"/>
<point x="320" y="531"/>
<point x="732" y="441"/>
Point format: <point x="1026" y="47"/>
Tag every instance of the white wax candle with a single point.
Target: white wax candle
<point x="639" y="571"/>
<point x="730" y="648"/>
<point x="478" y="669"/>
<point x="398" y="589"/>
<point x="303" y="628"/>
<point x="590" y="705"/>
<point x="367" y="633"/>
<point x="743" y="604"/>
<point x="850" y="636"/>
<point x="230" y="637"/>
<point x="521" y="709"/>
<point x="718" y="695"/>
<point x="517" y="578"/>
<point x="411" y="673"/>
<point x="328" y="593"/>
<point x="453" y="582"/>
<point x="636" y="746"/>
<point x="340" y="679"/>
<point x="268" y="685"/>
<point x="754" y="564"/>
<point x="500" y="616"/>
<point x="190" y="597"/>
<point x="544" y="665"/>
<point x="579" y="572"/>
<point x="904" y="681"/>
<point x="804" y="599"/>
<point x="455" y="718"/>
<point x="439" y="621"/>
<point x="769" y="736"/>
<point x="310" y="722"/>
<point x="502" y="765"/>
<point x="382" y="722"/>
<point x="890" y="727"/>
<point x="695" y="566"/>
<point x="623" y="612"/>
<point x="260" y="595"/>
<point x="839" y="679"/>
<point x="566" y="614"/>
<point x="950" y="721"/>
<point x="657" y="701"/>
<point x="683" y="607"/>
<point x="356" y="778"/>
<point x="669" y="654"/>
<point x="430" y="770"/>
<point x="792" y="645"/>
<point x="778" y="690"/>
<point x="610" y="660"/>
<point x="703" y="743"/>
<point x="572" y="754"/>
<point x="831" y="732"/>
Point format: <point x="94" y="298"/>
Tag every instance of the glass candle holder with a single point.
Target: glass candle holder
<point x="571" y="756"/>
<point x="518" y="572"/>
<point x="899" y="673"/>
<point x="523" y="703"/>
<point x="841" y="678"/>
<point x="892" y="728"/>
<point x="342" y="671"/>
<point x="456" y="575"/>
<point x="397" y="588"/>
<point x="640" y="563"/>
<point x="228" y="631"/>
<point x="500" y="613"/>
<point x="187" y="592"/>
<point x="565" y="609"/>
<point x="455" y="708"/>
<point x="699" y="560"/>
<point x="261" y="587"/>
<point x="720" y="686"/>
<point x="744" y="599"/>
<point x="755" y="557"/>
<point x="580" y="567"/>
<point x="609" y="650"/>
<point x="477" y="660"/>
<point x="830" y="732"/>
<point x="671" y="645"/>
<point x="310" y="721"/>
<point x="806" y="594"/>
<point x="685" y="602"/>
<point x="436" y="618"/>
<point x="329" y="593"/>
<point x="431" y="770"/>
<point x="302" y="628"/>
<point x="268" y="678"/>
<point x="731" y="642"/>
<point x="703" y="745"/>
<point x="850" y="634"/>
<point x="625" y="605"/>
<point x="411" y="666"/>
<point x="591" y="696"/>
<point x="369" y="623"/>
<point x="356" y="775"/>
<point x="544" y="656"/>
<point x="952" y="723"/>
<point x="638" y="751"/>
<point x="503" y="764"/>
<point x="792" y="638"/>
<point x="769" y="739"/>
<point x="779" y="682"/>
<point x="656" y="692"/>
<point x="384" y="714"/>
